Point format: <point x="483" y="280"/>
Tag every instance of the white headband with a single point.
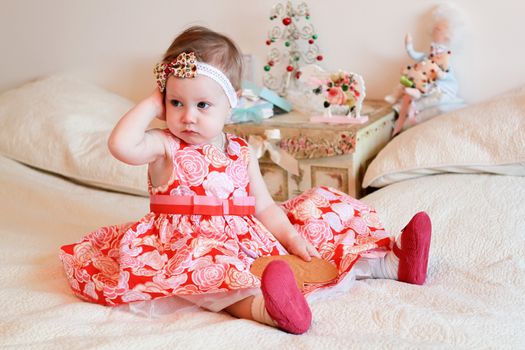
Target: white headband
<point x="186" y="66"/>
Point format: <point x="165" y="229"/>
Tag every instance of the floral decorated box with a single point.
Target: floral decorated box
<point x="297" y="154"/>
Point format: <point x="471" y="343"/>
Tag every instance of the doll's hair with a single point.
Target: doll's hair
<point x="454" y="16"/>
<point x="209" y="47"/>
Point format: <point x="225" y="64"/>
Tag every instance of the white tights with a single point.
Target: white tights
<point x="385" y="267"/>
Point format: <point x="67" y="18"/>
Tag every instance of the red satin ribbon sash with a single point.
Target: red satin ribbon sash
<point x="201" y="205"/>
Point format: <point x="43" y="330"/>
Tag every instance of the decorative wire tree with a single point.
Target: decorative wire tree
<point x="294" y="34"/>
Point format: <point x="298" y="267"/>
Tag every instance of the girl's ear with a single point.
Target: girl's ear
<point x="162" y="115"/>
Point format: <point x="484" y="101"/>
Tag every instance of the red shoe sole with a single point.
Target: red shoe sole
<point x="284" y="302"/>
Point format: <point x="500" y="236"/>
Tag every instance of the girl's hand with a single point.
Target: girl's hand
<point x="157" y="101"/>
<point x="300" y="247"/>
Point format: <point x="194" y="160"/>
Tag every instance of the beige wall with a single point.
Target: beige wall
<point x="115" y="43"/>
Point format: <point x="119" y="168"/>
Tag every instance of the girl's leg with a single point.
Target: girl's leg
<point x="242" y="309"/>
<point x="384" y="267"/>
<point x="281" y="305"/>
<point x="408" y="260"/>
<point x="252" y="308"/>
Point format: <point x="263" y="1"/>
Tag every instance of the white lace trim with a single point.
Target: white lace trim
<point x="220" y="78"/>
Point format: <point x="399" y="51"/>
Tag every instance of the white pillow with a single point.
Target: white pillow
<point x="486" y="137"/>
<point x="62" y="125"/>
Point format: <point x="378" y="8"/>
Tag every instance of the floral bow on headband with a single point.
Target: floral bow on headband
<point x="182" y="67"/>
<point x="186" y="66"/>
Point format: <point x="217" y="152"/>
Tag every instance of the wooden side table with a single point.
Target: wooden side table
<point x="334" y="155"/>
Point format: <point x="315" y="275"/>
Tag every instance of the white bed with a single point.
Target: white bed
<point x="474" y="296"/>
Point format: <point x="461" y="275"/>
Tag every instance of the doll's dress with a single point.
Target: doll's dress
<point x="207" y="245"/>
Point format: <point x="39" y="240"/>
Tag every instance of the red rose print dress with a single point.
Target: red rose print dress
<point x="201" y="236"/>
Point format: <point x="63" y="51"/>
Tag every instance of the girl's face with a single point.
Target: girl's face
<point x="196" y="109"/>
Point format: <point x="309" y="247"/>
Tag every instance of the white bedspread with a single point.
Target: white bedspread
<point x="474" y="297"/>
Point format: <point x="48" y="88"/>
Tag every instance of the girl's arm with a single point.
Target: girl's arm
<point x="129" y="141"/>
<point x="274" y="218"/>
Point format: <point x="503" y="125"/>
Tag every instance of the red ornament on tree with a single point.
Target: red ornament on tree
<point x="319" y="58"/>
<point x="289" y="68"/>
<point x="287" y="21"/>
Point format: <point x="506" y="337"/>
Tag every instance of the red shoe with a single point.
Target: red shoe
<point x="284" y="302"/>
<point x="415" y="244"/>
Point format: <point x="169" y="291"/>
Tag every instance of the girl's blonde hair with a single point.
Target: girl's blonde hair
<point x="209" y="47"/>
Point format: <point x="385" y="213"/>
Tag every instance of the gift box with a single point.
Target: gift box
<point x="296" y="154"/>
<point x="268" y="95"/>
<point x="251" y="111"/>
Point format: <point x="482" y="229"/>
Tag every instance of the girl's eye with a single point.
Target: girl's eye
<point x="203" y="105"/>
<point x="175" y="103"/>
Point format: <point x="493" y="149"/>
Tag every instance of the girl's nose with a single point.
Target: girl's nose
<point x="188" y="117"/>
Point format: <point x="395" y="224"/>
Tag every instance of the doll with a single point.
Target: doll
<point x="441" y="93"/>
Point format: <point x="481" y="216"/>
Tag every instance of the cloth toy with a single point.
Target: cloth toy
<point x="421" y="75"/>
<point x="331" y="97"/>
<point x="418" y="80"/>
<point x="346" y="90"/>
<point x="442" y="59"/>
